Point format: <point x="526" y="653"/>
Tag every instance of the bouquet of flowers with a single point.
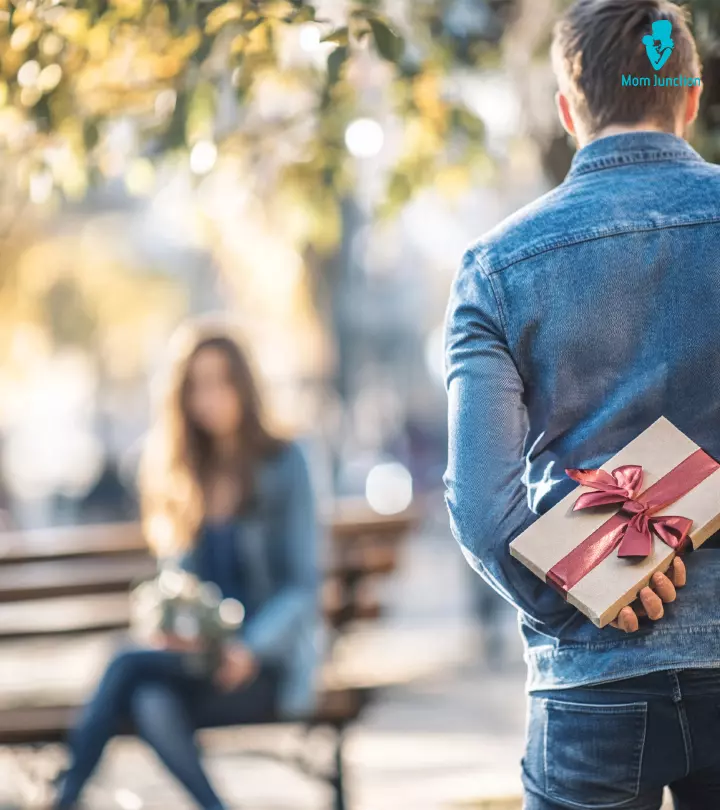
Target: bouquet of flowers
<point x="189" y="615"/>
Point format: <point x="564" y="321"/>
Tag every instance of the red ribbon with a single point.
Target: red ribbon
<point x="630" y="530"/>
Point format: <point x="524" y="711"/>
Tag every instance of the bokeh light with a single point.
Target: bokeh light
<point x="310" y="37"/>
<point x="364" y="138"/>
<point x="49" y="78"/>
<point x="41" y="186"/>
<point x="232" y="612"/>
<point x="203" y="157"/>
<point x="140" y="177"/>
<point x="389" y="488"/>
<point x="28" y="74"/>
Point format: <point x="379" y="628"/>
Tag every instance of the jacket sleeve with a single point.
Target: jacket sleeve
<point x="485" y="491"/>
<point x="270" y="632"/>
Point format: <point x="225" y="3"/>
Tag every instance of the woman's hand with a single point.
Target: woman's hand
<point x="238" y="667"/>
<point x="663" y="590"/>
<point x="169" y="641"/>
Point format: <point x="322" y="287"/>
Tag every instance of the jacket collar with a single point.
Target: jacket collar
<point x="629" y="148"/>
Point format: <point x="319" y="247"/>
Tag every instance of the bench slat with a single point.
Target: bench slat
<point x="38" y="580"/>
<point x="349" y="522"/>
<point x="103" y="574"/>
<point x="97" y="613"/>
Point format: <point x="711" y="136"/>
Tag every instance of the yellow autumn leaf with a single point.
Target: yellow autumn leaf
<point x="452" y="181"/>
<point x="252" y="42"/>
<point x="185" y="46"/>
<point x="11" y="62"/>
<point x="98" y="41"/>
<point x="73" y="24"/>
<point x="427" y="95"/>
<point x="222" y="16"/>
<point x="129" y="9"/>
<point x="159" y="16"/>
<point x="70" y="130"/>
<point x="421" y="137"/>
<point x="166" y="67"/>
<point x="277" y="8"/>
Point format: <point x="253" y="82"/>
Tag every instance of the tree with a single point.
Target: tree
<point x="94" y="89"/>
<point x="276" y="95"/>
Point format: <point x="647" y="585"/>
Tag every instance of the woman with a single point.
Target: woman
<point x="233" y="503"/>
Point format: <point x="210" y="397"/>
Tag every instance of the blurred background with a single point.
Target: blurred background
<point x="314" y="172"/>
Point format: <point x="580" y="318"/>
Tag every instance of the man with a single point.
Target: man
<point x="572" y="327"/>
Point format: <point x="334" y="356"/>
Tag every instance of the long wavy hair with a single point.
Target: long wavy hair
<point x="178" y="460"/>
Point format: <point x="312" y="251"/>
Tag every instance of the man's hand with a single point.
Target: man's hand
<point x="663" y="590"/>
<point x="238" y="667"/>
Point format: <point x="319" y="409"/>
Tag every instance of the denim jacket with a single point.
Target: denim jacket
<point x="276" y="549"/>
<point x="571" y="327"/>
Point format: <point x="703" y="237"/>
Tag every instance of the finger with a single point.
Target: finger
<point x="627" y="620"/>
<point x="652" y="603"/>
<point x="664" y="588"/>
<point x="679" y="573"/>
<point x="627" y="614"/>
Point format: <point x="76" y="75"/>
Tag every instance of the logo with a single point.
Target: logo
<point x="659" y="45"/>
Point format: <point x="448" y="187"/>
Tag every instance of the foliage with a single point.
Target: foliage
<point x="96" y="89"/>
<point x="706" y="14"/>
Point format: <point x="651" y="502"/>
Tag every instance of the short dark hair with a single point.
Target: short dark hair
<point x="597" y="42"/>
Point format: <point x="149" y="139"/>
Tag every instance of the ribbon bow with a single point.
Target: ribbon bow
<point x="622" y="486"/>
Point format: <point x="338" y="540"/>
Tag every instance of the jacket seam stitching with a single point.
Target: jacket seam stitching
<point x="501" y="311"/>
<point x="498" y="304"/>
<point x="597" y="237"/>
<point x="614" y="163"/>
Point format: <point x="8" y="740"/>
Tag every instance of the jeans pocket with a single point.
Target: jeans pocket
<point x="593" y="752"/>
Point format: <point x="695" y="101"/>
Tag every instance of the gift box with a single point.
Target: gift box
<point x="600" y="545"/>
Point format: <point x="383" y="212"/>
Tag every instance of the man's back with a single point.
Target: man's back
<point x="610" y="291"/>
<point x="571" y="328"/>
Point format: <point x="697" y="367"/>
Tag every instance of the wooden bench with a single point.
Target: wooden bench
<point x="69" y="586"/>
<point x="58" y="563"/>
<point x="37" y="726"/>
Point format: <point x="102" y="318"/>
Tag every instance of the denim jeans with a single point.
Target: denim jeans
<point x="617" y="745"/>
<point x="153" y="693"/>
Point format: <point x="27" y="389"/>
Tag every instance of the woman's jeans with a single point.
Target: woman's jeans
<point x="618" y="744"/>
<point x="153" y="693"/>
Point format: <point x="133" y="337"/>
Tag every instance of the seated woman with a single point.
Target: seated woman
<point x="234" y="503"/>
